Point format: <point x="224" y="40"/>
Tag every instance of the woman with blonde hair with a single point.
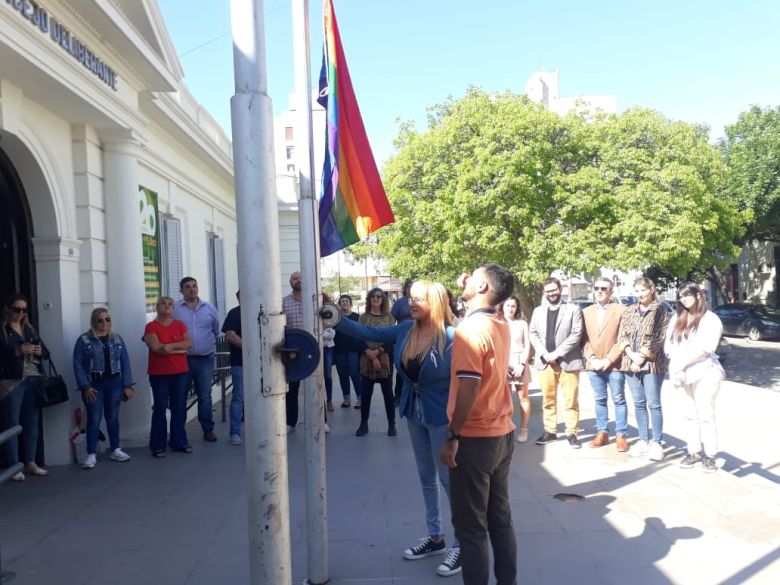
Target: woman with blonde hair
<point x="694" y="367"/>
<point x="519" y="375"/>
<point x="422" y="357"/>
<point x="101" y="366"/>
<point x="168" y="341"/>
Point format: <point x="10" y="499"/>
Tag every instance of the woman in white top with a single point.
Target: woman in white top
<point x="519" y="375"/>
<point x="691" y="340"/>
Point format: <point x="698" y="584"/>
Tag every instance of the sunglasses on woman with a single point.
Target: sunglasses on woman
<point x="19" y="310"/>
<point x="103" y="320"/>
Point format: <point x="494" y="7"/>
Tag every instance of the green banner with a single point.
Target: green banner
<point x="150" y="242"/>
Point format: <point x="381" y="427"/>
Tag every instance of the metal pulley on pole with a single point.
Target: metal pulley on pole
<point x="262" y="320"/>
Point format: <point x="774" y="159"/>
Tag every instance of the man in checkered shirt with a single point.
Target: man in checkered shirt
<point x="292" y="305"/>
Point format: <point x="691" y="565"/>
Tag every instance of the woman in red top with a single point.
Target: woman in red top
<point x="168" y="342"/>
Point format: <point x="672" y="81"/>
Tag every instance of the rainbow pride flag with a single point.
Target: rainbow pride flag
<point x="353" y="203"/>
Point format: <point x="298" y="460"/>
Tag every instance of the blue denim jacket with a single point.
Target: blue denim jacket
<point x="433" y="384"/>
<point x="88" y="359"/>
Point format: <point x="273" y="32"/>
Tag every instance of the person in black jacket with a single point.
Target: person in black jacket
<point x="21" y="352"/>
<point x="346" y="356"/>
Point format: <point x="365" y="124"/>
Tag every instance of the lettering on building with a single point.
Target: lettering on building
<point x="40" y="19"/>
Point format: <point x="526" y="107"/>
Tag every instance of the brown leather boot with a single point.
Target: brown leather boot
<point x="621" y="443"/>
<point x="600" y="440"/>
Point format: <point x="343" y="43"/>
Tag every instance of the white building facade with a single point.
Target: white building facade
<point x="95" y="125"/>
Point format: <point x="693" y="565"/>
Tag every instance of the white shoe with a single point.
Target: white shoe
<point x="119" y="455"/>
<point x="327" y="428"/>
<point x="18" y="476"/>
<point x="90" y="462"/>
<point x="638" y="449"/>
<point x="33" y="469"/>
<point x="235" y="439"/>
<point x="655" y="451"/>
<point x="290" y="429"/>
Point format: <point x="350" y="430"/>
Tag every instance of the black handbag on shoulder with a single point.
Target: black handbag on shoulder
<point x="52" y="389"/>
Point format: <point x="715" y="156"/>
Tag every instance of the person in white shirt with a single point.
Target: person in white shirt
<point x="691" y="340"/>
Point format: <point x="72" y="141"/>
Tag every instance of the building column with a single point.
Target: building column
<point x="57" y="275"/>
<point x="126" y="272"/>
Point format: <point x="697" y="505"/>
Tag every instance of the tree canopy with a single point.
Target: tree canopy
<point x="497" y="178"/>
<point x="751" y="152"/>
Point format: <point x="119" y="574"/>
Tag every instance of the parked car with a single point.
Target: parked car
<point x="582" y="303"/>
<point x="629" y="300"/>
<point x="724" y="347"/>
<point x="668" y="307"/>
<point x="754" y="321"/>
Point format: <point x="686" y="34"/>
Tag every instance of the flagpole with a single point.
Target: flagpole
<point x="259" y="273"/>
<point x="308" y="218"/>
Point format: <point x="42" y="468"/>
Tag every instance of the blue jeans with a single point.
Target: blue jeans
<point x="348" y="368"/>
<point x="427" y="441"/>
<point x="646" y="390"/>
<point x="237" y="401"/>
<point x="202" y="373"/>
<point x="20" y="408"/>
<point x="106" y="403"/>
<point x="327" y="372"/>
<point x="169" y="391"/>
<point x="616" y="382"/>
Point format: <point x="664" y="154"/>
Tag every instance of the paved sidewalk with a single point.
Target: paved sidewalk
<point x="182" y="521"/>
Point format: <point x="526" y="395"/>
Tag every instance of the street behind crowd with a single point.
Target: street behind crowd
<point x="182" y="521"/>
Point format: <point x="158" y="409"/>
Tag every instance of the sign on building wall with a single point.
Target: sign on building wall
<point x="150" y="241"/>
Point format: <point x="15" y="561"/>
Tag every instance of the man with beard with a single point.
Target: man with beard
<point x="480" y="438"/>
<point x="555" y="333"/>
<point x="292" y="305"/>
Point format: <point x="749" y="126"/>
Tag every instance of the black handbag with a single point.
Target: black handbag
<point x="52" y="389"/>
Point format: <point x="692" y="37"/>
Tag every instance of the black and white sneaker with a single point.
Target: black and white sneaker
<point x="709" y="465"/>
<point x="574" y="442"/>
<point x="426" y="548"/>
<point x="450" y="565"/>
<point x="690" y="460"/>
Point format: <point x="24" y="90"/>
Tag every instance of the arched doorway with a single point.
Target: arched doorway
<point x="17" y="272"/>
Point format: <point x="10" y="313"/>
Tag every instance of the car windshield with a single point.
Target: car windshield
<point x="764" y="311"/>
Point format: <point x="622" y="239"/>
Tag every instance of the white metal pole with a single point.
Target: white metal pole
<point x="308" y="219"/>
<point x="262" y="320"/>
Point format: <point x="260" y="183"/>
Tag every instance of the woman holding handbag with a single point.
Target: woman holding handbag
<point x="21" y="352"/>
<point x="375" y="363"/>
<point x="102" y="369"/>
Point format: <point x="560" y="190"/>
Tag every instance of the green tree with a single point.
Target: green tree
<point x="751" y="151"/>
<point x="497" y="178"/>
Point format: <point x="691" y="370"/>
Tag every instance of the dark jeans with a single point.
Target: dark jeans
<point x="327" y="372"/>
<point x="201" y="375"/>
<point x="479" y="497"/>
<point x="348" y="368"/>
<point x="169" y="391"/>
<point x="20" y="408"/>
<point x="387" y="393"/>
<point x="291" y="403"/>
<point x="106" y="403"/>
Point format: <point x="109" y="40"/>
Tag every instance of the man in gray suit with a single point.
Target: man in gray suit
<point x="555" y="332"/>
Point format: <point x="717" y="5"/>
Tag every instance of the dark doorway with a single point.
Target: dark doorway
<point x="16" y="257"/>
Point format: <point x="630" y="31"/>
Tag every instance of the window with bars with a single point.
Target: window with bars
<point x="173" y="269"/>
<point x="216" y="247"/>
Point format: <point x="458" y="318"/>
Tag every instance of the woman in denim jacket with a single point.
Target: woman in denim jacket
<point x="422" y="359"/>
<point x="102" y="369"/>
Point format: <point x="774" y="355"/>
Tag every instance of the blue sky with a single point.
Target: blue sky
<point x="693" y="60"/>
